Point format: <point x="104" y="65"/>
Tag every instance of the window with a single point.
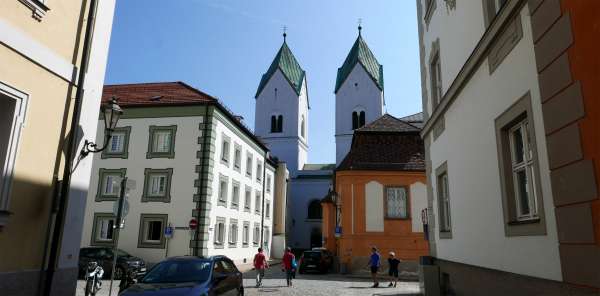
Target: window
<point x="519" y="171"/>
<point x="152" y="228"/>
<point x="396" y="203"/>
<point x="237" y="157"/>
<point x="247" y="199"/>
<point x="248" y="165"/>
<point x="268" y="183"/>
<point x="302" y="132"/>
<point x="443" y="194"/>
<point x="157" y="185"/>
<point x="235" y="196"/>
<point x="491" y="9"/>
<point x="225" y="150"/>
<point x="435" y="71"/>
<point x="268" y="209"/>
<point x="103" y="229"/>
<point x="259" y="171"/>
<point x="233" y="232"/>
<point x="276" y="123"/>
<point x="315" y="211"/>
<point x="256" y="237"/>
<point x="12" y="115"/>
<point x="162" y="142"/>
<point x="267" y="235"/>
<point x="38" y="8"/>
<point x="430" y="6"/>
<point x="109" y="184"/>
<point x="246" y="234"/>
<point x="220" y="232"/>
<point x="257" y="203"/>
<point x="223" y="184"/>
<point x="118" y="144"/>
<point x="358" y="119"/>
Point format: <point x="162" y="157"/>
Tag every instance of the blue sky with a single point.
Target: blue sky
<point x="224" y="46"/>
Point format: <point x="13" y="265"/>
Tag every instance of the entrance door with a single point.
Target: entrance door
<point x="316" y="238"/>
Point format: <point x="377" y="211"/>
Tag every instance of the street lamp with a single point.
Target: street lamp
<point x="111" y="113"/>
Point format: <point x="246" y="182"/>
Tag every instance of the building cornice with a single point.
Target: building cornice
<point x="478" y="55"/>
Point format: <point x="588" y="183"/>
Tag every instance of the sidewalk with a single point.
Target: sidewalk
<point x="405" y="276"/>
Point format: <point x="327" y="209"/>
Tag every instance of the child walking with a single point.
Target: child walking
<point x="393" y="262"/>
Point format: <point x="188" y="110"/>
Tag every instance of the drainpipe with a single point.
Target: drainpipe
<point x="262" y="215"/>
<point x="201" y="178"/>
<point x="71" y="152"/>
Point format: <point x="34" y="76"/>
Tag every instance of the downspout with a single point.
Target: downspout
<point x="72" y="150"/>
<point x="201" y="177"/>
<point x="262" y="215"/>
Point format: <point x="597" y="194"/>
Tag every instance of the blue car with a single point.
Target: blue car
<point x="190" y="276"/>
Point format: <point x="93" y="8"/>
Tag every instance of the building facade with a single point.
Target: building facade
<point x="53" y="56"/>
<point x="190" y="158"/>
<point x="511" y="140"/>
<point x="380" y="193"/>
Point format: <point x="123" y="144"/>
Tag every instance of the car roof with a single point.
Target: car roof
<point x="188" y="258"/>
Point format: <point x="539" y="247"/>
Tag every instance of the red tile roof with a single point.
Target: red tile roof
<point x="155" y="94"/>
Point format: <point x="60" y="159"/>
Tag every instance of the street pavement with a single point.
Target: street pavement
<point x="303" y="285"/>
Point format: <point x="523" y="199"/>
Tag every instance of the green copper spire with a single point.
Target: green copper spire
<point x="287" y="63"/>
<point x="360" y="53"/>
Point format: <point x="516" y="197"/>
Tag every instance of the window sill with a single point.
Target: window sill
<point x="445" y="234"/>
<point x="522" y="222"/>
<point x="313" y="220"/>
<point x="219" y="246"/>
<point x="390" y="218"/>
<point x="38" y="8"/>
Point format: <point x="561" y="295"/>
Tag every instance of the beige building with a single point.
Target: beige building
<point x="43" y="46"/>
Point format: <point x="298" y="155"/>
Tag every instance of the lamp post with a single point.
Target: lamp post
<point x="111" y="114"/>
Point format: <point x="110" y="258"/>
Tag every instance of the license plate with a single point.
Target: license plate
<point x="311" y="266"/>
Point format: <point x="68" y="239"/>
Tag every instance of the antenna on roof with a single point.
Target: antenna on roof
<point x="284" y="33"/>
<point x="359" y="25"/>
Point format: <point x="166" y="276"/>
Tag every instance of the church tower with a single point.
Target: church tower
<point x="358" y="94"/>
<point x="281" y="115"/>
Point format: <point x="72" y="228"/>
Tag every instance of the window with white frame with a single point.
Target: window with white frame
<point x="235" y="195"/>
<point x="248" y="165"/>
<point x="435" y="70"/>
<point x="247" y="199"/>
<point x="523" y="171"/>
<point x="220" y="231"/>
<point x="396" y="203"/>
<point x="257" y="203"/>
<point x="246" y="233"/>
<point x="162" y="142"/>
<point x="223" y="184"/>
<point x="268" y="209"/>
<point x="233" y="232"/>
<point x="225" y="150"/>
<point x="259" y="171"/>
<point x="237" y="157"/>
<point x="117" y="140"/>
<point x="256" y="236"/>
<point x="268" y="184"/>
<point x="118" y="143"/>
<point x="103" y="229"/>
<point x="267" y="233"/>
<point x="152" y="228"/>
<point x="109" y="183"/>
<point x="443" y="194"/>
<point x="157" y="185"/>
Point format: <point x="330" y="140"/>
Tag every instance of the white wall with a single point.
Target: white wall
<point x="302" y="192"/>
<point x="364" y="96"/>
<point x="374" y="207"/>
<point x="418" y="202"/>
<point x="468" y="144"/>
<point x="288" y="145"/>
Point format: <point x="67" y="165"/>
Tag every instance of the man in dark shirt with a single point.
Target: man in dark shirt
<point x="393" y="262"/>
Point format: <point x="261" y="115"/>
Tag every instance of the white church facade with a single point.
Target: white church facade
<point x="281" y="122"/>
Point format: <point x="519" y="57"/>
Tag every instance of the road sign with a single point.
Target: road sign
<point x="193" y="224"/>
<point x="169" y="231"/>
<point x="125" y="208"/>
<point x="338" y="231"/>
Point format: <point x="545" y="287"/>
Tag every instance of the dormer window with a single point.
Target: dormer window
<point x="276" y="123"/>
<point x="358" y="119"/>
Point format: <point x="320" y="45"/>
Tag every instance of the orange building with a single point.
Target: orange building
<point x="380" y="191"/>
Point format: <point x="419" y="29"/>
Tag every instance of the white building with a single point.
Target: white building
<point x="190" y="159"/>
<point x="492" y="195"/>
<point x="282" y="123"/>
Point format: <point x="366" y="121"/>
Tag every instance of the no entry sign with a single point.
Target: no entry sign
<point x="193" y="224"/>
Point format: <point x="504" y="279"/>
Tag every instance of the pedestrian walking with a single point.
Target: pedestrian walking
<point x="288" y="265"/>
<point x="260" y="264"/>
<point x="374" y="263"/>
<point x="393" y="262"/>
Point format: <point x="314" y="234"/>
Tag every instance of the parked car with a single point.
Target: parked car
<point x="317" y="259"/>
<point x="190" y="276"/>
<point x="104" y="257"/>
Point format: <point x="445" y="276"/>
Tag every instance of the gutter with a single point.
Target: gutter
<point x="71" y="152"/>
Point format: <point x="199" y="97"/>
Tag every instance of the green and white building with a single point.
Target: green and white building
<point x="190" y="158"/>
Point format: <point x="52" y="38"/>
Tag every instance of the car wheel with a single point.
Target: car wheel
<point x="241" y="291"/>
<point x="119" y="273"/>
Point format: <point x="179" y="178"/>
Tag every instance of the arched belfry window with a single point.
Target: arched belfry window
<point x="280" y="123"/>
<point x="302" y="133"/>
<point x="314" y="210"/>
<point x="358" y="119"/>
<point x="276" y="123"/>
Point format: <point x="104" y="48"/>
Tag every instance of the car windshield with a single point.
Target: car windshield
<point x="178" y="271"/>
<point x="314" y="255"/>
